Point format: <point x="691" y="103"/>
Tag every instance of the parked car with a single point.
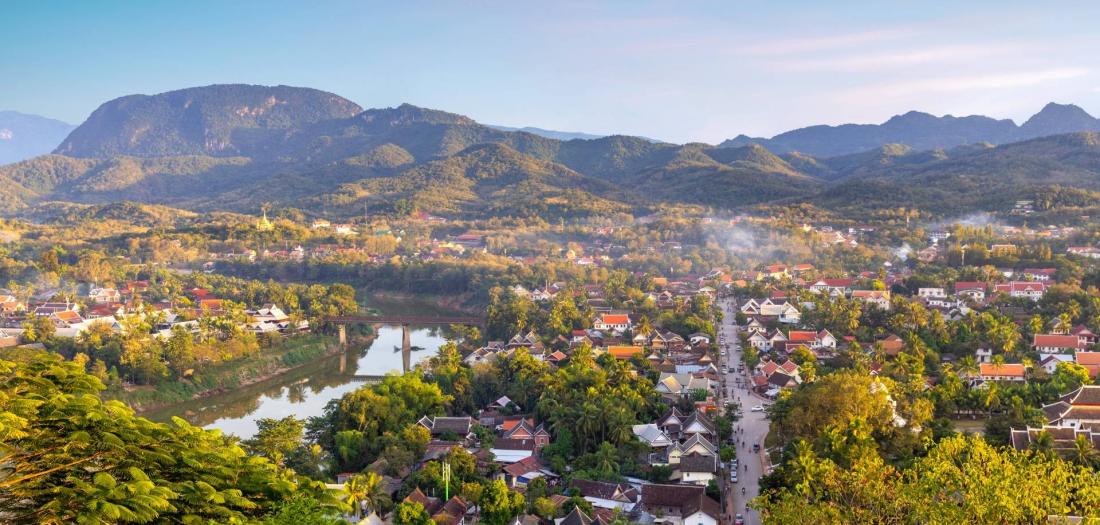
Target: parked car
<point x="758" y="408"/>
<point x="739" y="520"/>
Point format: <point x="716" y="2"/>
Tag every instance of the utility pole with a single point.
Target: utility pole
<point x="446" y="481"/>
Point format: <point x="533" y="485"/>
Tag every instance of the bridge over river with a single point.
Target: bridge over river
<point x="404" y="320"/>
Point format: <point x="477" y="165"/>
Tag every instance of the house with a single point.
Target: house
<point x="1057" y="344"/>
<point x="672" y="423"/>
<point x="697" y="469"/>
<point x="675" y="385"/>
<point x="822" y="339"/>
<point x="697" y="423"/>
<point x="695" y="445"/>
<point x="1032" y="290"/>
<point x="970" y="290"/>
<point x="524" y="471"/>
<point x="1039" y="274"/>
<point x="525" y="429"/>
<point x="879" y="298"/>
<point x="892" y="344"/>
<point x="616" y="322"/>
<point x="578" y="517"/>
<point x="1086" y="335"/>
<point x="104" y="295"/>
<point x="933" y="293"/>
<point x="680" y="505"/>
<point x="459" y="426"/>
<point x="1009" y="372"/>
<point x="65" y="319"/>
<point x="652" y="435"/>
<point x="603" y="495"/>
<point x="624" y="352"/>
<point x="1084" y="251"/>
<point x="1077" y="409"/>
<point x="1049" y="362"/>
<point x="832" y="287"/>
<point x="1091" y="362"/>
<point x="984" y="355"/>
<point x="783" y="311"/>
<point x="1063" y="440"/>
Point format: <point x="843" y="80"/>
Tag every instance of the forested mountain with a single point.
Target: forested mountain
<point x="922" y="131"/>
<point x="235" y="147"/>
<point x="23" y="136"/>
<point x="219" y="120"/>
<point x="973" y="178"/>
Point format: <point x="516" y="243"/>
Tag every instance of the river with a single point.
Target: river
<point x="304" y="391"/>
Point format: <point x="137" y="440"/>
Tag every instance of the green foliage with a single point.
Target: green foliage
<point x="75" y="458"/>
<point x="962" y="480"/>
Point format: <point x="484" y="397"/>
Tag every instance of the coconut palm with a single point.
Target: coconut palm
<point x="1084" y="453"/>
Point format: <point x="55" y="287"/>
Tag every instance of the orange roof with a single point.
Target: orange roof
<point x="796" y="336"/>
<point x="68" y="316"/>
<point x="1088" y="358"/>
<point x="210" y="304"/>
<point x="1007" y="369"/>
<point x="624" y="352"/>
<point x="1057" y="341"/>
<point x="511" y="423"/>
<point x="616" y="318"/>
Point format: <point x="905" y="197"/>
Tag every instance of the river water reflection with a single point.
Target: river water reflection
<point x="304" y="391"/>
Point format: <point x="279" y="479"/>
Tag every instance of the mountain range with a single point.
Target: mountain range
<point x="23" y="136"/>
<point x="923" y="131"/>
<point x="235" y="147"/>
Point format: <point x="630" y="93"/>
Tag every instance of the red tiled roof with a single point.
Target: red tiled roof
<point x="798" y="336"/>
<point x="1056" y="341"/>
<point x="1088" y="358"/>
<point x="616" y="319"/>
<point x="1007" y="369"/>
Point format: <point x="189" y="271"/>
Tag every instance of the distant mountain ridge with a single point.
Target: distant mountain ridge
<point x="549" y="133"/>
<point x="235" y="147"/>
<point x="23" y="136"/>
<point x="922" y="131"/>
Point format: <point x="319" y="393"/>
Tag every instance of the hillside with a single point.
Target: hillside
<point x="970" y="179"/>
<point x="219" y="120"/>
<point x="23" y="136"/>
<point x="234" y="148"/>
<point x="922" y="131"/>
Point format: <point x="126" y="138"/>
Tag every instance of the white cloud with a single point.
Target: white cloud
<point x="955" y="84"/>
<point x="793" y="46"/>
<point x="897" y="59"/>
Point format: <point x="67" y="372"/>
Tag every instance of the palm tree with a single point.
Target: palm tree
<point x="1043" y="443"/>
<point x="356" y="493"/>
<point x="645" y="327"/>
<point x="1084" y="453"/>
<point x="967" y="366"/>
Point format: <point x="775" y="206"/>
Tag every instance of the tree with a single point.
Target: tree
<point x="411" y="513"/>
<point x="38" y="329"/>
<point x="302" y="509"/>
<point x="275" y="438"/>
<point x="544" y="508"/>
<point x="72" y="457"/>
<point x="499" y="505"/>
<point x="1084" y="453"/>
<point x="365" y="492"/>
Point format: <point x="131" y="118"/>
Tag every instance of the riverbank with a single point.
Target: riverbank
<point x="397" y="303"/>
<point x="218" y="379"/>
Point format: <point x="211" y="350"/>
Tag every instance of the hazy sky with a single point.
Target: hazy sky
<point x="678" y="71"/>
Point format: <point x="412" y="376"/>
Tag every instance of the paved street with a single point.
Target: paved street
<point x="750" y="429"/>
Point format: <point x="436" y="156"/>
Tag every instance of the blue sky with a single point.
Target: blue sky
<point x="699" y="71"/>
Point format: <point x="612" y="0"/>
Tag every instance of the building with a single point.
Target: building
<point x="1032" y="290"/>
<point x="1057" y="344"/>
<point x="1077" y="409"/>
<point x="679" y="505"/>
<point x="879" y="298"/>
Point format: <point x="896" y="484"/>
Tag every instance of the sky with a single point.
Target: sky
<point x="677" y="71"/>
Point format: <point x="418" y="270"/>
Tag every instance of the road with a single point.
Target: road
<point x="751" y="428"/>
